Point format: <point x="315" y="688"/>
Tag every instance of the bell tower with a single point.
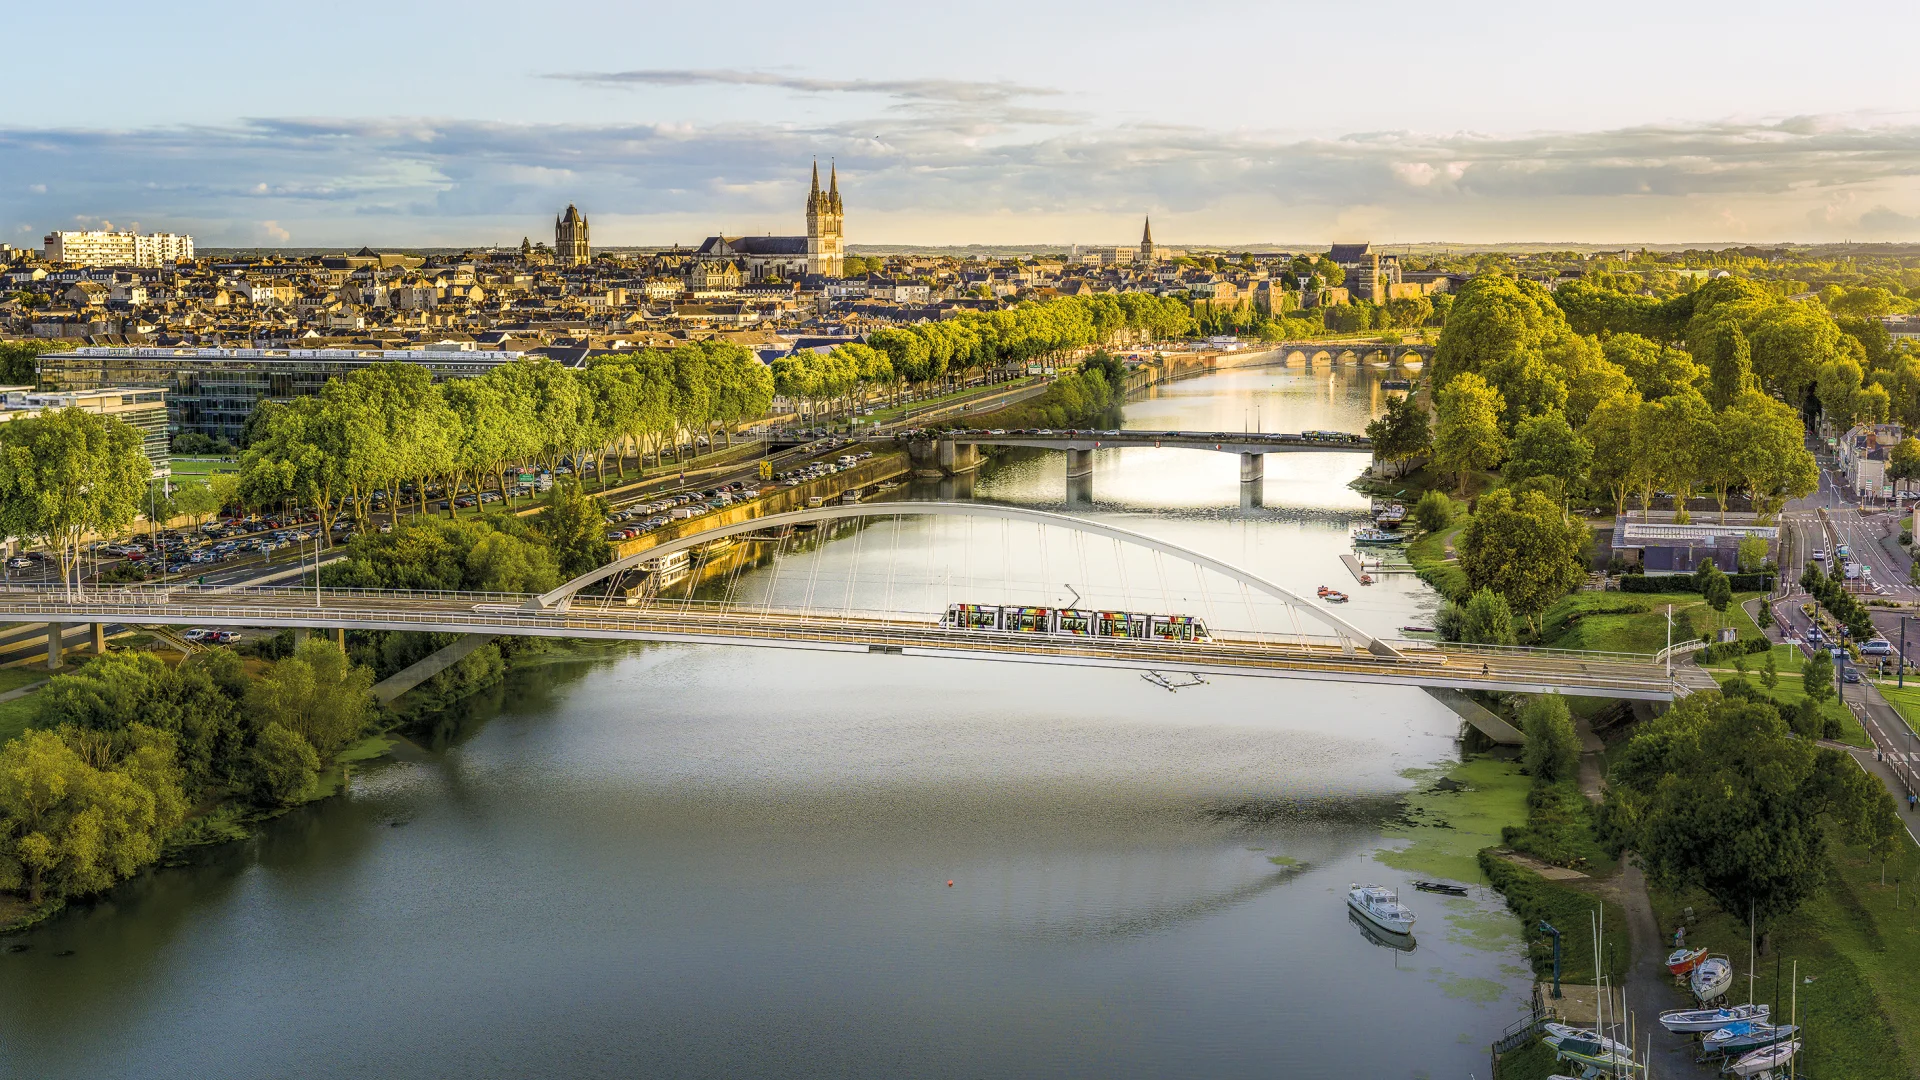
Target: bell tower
<point x="826" y="253"/>
<point x="570" y="238"/>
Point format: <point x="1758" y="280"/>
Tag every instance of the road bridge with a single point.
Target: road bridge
<point x="955" y="451"/>
<point x="1345" y="653"/>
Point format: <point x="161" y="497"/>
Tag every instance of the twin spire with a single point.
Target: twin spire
<point x="831" y="201"/>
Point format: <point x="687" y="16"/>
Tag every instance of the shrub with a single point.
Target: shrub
<point x="282" y="766"/>
<point x="1553" y="749"/>
<point x="1434" y="511"/>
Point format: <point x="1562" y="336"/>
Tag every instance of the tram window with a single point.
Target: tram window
<point x="1031" y="620"/>
<point x="1076" y="624"/>
<point x="982" y="620"/>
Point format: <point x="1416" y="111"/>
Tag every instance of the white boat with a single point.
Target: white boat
<point x="1746" y="1035"/>
<point x="1765" y="1059"/>
<point x="1376" y="537"/>
<point x="1558" y="1033"/>
<point x="1596" y="1054"/>
<point x="1380" y="907"/>
<point x="1686" y="1021"/>
<point x="1712" y="978"/>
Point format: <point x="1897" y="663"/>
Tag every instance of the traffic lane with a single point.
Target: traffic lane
<point x="1866" y="538"/>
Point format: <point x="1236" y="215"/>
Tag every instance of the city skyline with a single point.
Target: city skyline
<point x="1284" y="124"/>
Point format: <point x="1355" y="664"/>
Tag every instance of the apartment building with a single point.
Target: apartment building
<point x="116" y="248"/>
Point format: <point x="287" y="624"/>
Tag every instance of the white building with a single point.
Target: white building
<point x="116" y="248"/>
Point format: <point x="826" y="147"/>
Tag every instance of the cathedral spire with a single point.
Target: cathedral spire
<point x="1146" y="236"/>
<point x="833" y="185"/>
<point x="816" y="181"/>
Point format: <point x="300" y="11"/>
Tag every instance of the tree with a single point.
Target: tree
<point x="1765" y="444"/>
<point x="1468" y="435"/>
<point x="1714" y="587"/>
<point x="1676" y="440"/>
<point x="572" y="524"/>
<point x="1401" y="433"/>
<point x="1769" y="670"/>
<point x="1656" y="370"/>
<point x="281" y="767"/>
<point x="1903" y="461"/>
<point x="1609" y="430"/>
<point x="67" y="473"/>
<point x="1719" y="796"/>
<point x="1434" y="511"/>
<point x="1546" y="446"/>
<point x="1752" y="554"/>
<point x="75" y="827"/>
<point x="317" y="693"/>
<point x="1485" y="619"/>
<point x="1525" y="549"/>
<point x="1552" y="753"/>
<point x="1817" y="677"/>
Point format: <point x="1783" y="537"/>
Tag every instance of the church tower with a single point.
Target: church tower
<point x="1148" y="255"/>
<point x="826" y="251"/>
<point x="570" y="238"/>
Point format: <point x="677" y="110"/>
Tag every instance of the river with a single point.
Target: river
<point x="706" y="862"/>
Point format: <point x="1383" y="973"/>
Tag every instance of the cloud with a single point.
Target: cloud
<point x="950" y="90"/>
<point x="965" y="169"/>
<point x="1885" y="222"/>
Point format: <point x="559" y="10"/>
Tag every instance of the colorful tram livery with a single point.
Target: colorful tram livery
<point x="1074" y="622"/>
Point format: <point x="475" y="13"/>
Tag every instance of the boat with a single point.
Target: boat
<point x="1603" y="1055"/>
<point x="1683" y="1021"/>
<point x="1324" y="590"/>
<point x="1366" y="579"/>
<point x="1764" y="1059"/>
<point x="1683" y="961"/>
<point x="1712" y="977"/>
<point x="1334" y="596"/>
<point x="1747" y="1035"/>
<point x="1418" y="630"/>
<point x="1441" y="887"/>
<point x="1396" y="942"/>
<point x="1375" y="537"/>
<point x="1391" y="517"/>
<point x="1559" y="1033"/>
<point x="1380" y="907"/>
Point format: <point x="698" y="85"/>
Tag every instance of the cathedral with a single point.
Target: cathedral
<point x="821" y="252"/>
<point x="570" y="238"/>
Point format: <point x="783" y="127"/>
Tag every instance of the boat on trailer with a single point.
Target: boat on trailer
<point x="1681" y="962"/>
<point x="1692" y="1021"/>
<point x="1712" y="978"/>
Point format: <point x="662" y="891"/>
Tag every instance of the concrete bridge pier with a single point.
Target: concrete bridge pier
<point x="54" y="631"/>
<point x="99" y="639"/>
<point x="957" y="457"/>
<point x="1079" y="462"/>
<point x="1253" y="468"/>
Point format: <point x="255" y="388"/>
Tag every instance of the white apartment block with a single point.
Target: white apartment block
<point x="116" y="248"/>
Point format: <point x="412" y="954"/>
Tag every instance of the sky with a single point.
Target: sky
<point x="413" y="124"/>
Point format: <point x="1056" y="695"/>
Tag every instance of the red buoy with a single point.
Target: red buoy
<point x="949" y="883"/>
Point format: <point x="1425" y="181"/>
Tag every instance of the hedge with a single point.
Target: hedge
<point x="1646" y="583"/>
<point x="1721" y="650"/>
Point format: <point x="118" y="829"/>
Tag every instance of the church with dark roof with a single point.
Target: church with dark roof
<point x="821" y="252"/>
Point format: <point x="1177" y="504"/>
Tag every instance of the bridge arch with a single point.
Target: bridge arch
<point x="1349" y="634"/>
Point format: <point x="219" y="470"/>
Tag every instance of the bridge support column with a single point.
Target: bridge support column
<point x="409" y="677"/>
<point x="299" y="635"/>
<point x="339" y="637"/>
<point x="1079" y="462"/>
<point x="1253" y="468"/>
<point x="99" y="639"/>
<point x="957" y="457"/>
<point x="53" y="645"/>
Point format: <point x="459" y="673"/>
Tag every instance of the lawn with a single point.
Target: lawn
<point x="1636" y="622"/>
<point x="1428" y="555"/>
<point x="14" y="678"/>
<point x="1905" y="701"/>
<point x="17" y="715"/>
<point x="202" y="466"/>
<point x="1791" y="690"/>
<point x="1857" y="943"/>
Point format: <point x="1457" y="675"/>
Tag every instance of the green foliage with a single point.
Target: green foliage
<point x="1077" y="397"/>
<point x="1526" y="549"/>
<point x="1552" y="752"/>
<point x="1468" y="435"/>
<point x="1434" y="511"/>
<point x="74" y="821"/>
<point x="497" y="553"/>
<point x="281" y="767"/>
<point x="1402" y="432"/>
<point x="1535" y="900"/>
<point x="571" y="526"/>
<point x="1510" y="333"/>
<point x="1816" y="676"/>
<point x="19" y="360"/>
<point x="69" y="473"/>
<point x="1547" y="446"/>
<point x="1718" y="795"/>
<point x="1486" y="619"/>
<point x="315" y="693"/>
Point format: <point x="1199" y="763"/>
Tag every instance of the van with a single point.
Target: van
<point x="681" y="513"/>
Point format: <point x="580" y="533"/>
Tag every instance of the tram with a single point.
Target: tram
<point x="1074" y="622"/>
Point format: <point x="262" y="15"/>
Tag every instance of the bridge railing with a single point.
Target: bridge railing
<point x="1468" y="649"/>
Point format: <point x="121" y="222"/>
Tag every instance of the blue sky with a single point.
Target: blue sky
<point x="417" y="124"/>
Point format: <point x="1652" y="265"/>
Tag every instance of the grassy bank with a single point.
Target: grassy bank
<point x="1430" y="560"/>
<point x="1857" y="943"/>
<point x="1636" y="622"/>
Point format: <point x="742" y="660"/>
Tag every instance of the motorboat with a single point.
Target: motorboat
<point x="1683" y="961"/>
<point x="1417" y="630"/>
<point x="1396" y="942"/>
<point x="1711" y="977"/>
<point x="1441" y="887"/>
<point x="1366" y="579"/>
<point x="1390" y="517"/>
<point x="1379" y="906"/>
<point x="1764" y="1059"/>
<point x="1324" y="590"/>
<point x="1685" y="1021"/>
<point x="1377" y="537"/>
<point x="1747" y="1035"/>
<point x="1334" y="596"/>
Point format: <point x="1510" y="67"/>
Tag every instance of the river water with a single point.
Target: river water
<point x="706" y="862"/>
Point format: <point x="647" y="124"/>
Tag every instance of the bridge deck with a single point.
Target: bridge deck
<point x="1243" y="442"/>
<point x="1502" y="670"/>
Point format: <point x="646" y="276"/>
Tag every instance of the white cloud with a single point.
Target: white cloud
<point x="964" y="167"/>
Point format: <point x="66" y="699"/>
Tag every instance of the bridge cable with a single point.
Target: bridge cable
<point x="853" y="573"/>
<point x="773" y="584"/>
<point x="893" y="566"/>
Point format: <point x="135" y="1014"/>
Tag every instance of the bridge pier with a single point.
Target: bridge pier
<point x="339" y="634"/>
<point x="99" y="639"/>
<point x="54" y="630"/>
<point x="1253" y="468"/>
<point x="1079" y="462"/>
<point x="413" y="675"/>
<point x="957" y="457"/>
